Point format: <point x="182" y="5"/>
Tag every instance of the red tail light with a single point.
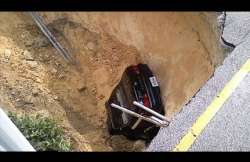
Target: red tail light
<point x="136" y="69"/>
<point x="146" y="101"/>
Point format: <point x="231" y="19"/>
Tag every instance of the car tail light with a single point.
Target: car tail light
<point x="136" y="69"/>
<point x="146" y="101"/>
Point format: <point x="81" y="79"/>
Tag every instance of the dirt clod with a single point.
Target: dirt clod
<point x="27" y="56"/>
<point x="139" y="145"/>
<point x="7" y="53"/>
<point x="91" y="46"/>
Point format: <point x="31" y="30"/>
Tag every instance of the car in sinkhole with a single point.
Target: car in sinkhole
<point x="137" y="84"/>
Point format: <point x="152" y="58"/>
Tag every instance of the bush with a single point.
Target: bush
<point x="43" y="133"/>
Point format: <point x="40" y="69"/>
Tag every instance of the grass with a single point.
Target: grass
<point x="43" y="133"/>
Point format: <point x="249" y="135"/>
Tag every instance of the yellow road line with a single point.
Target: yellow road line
<point x="187" y="141"/>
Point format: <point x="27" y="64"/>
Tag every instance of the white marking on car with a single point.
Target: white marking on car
<point x="153" y="81"/>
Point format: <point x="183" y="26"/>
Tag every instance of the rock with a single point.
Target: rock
<point x="7" y="53"/>
<point x="101" y="96"/>
<point x="56" y="98"/>
<point x="116" y="58"/>
<point x="32" y="64"/>
<point x="22" y="35"/>
<point x="19" y="103"/>
<point x="91" y="46"/>
<point x="35" y="92"/>
<point x="28" y="100"/>
<point x="18" y="100"/>
<point x="61" y="76"/>
<point x="82" y="89"/>
<point x="13" y="93"/>
<point x="139" y="145"/>
<point x="27" y="56"/>
<point x="28" y="42"/>
<point x="53" y="71"/>
<point x="38" y="80"/>
<point x="41" y="42"/>
<point x="93" y="91"/>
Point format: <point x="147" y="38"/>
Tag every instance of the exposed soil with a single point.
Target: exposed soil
<point x="35" y="79"/>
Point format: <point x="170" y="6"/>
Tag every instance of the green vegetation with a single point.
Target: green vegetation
<point x="43" y="133"/>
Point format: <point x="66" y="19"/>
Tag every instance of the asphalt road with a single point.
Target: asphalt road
<point x="229" y="130"/>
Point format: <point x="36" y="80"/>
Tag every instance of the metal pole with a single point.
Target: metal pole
<point x="11" y="139"/>
<point x="136" y="123"/>
<point x="136" y="114"/>
<point x="150" y="111"/>
<point x="165" y="123"/>
<point x="51" y="38"/>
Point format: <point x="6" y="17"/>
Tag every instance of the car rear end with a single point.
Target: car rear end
<point x="137" y="84"/>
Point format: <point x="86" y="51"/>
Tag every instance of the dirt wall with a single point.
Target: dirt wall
<point x="182" y="48"/>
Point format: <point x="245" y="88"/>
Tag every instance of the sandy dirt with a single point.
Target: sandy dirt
<point x="35" y="79"/>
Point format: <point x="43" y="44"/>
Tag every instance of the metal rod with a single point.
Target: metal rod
<point x="51" y="38"/>
<point x="159" y="120"/>
<point x="150" y="111"/>
<point x="136" y="123"/>
<point x="136" y="114"/>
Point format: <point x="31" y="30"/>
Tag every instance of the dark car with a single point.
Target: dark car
<point x="137" y="84"/>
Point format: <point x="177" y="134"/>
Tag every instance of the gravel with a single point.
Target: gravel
<point x="236" y="31"/>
